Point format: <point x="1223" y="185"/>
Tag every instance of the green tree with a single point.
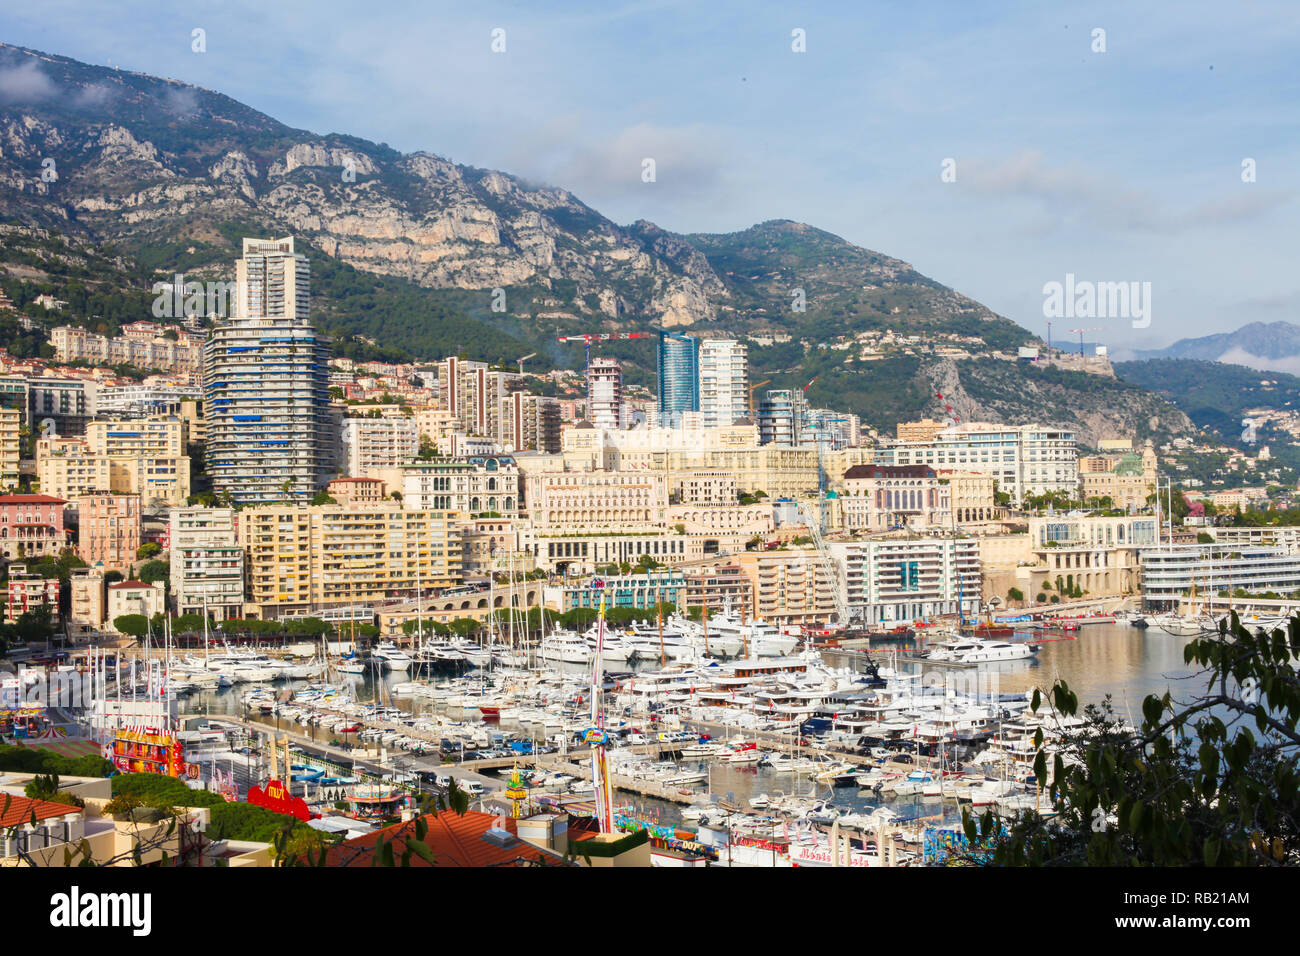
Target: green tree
<point x="1210" y="781"/>
<point x="133" y="625"/>
<point x="148" y="550"/>
<point x="152" y="571"/>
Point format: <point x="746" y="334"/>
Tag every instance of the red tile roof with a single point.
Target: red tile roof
<point x="30" y="500"/>
<point x="455" y="840"/>
<point x="21" y="808"/>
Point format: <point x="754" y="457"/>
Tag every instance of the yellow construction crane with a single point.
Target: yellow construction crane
<point x="751" y="397"/>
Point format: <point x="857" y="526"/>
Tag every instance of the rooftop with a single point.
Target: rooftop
<point x="456" y="841"/>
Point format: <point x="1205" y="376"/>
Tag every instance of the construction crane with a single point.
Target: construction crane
<point x="1097" y="328"/>
<point x="752" y="388"/>
<point x="525" y="359"/>
<point x="586" y="338"/>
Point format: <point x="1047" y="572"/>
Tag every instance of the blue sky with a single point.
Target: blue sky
<point x="1117" y="166"/>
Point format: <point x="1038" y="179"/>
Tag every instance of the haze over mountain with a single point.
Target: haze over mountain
<point x="408" y="249"/>
<point x="1271" y="346"/>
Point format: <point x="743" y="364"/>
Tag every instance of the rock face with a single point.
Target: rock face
<point x="126" y="176"/>
<point x="1094" y="407"/>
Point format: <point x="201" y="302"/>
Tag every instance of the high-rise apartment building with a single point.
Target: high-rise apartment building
<point x="11" y="420"/>
<point x="723" y="382"/>
<point x="780" y="417"/>
<point x="605" y="393"/>
<point x="530" y="423"/>
<point x="679" y="377"/>
<point x="266" y="384"/>
<point x="207" y="562"/>
<point x="473" y="393"/>
<point x="371" y="445"/>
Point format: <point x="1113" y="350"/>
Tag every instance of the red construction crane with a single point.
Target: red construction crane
<point x="586" y="338"/>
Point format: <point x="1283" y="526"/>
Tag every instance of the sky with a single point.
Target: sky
<point x="997" y="147"/>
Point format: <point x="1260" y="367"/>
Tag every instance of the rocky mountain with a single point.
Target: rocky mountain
<point x="1259" y="345"/>
<point x="408" y="248"/>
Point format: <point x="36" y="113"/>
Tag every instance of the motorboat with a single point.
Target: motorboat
<point x="566" y="647"/>
<point x="391" y="656"/>
<point x="977" y="651"/>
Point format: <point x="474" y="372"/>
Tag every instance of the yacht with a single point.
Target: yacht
<point x="391" y="656"/>
<point x="351" y="665"/>
<point x="566" y="647"/>
<point x="976" y="651"/>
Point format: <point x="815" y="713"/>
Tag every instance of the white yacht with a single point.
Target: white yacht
<point x="976" y="651"/>
<point x="391" y="656"/>
<point x="567" y="647"/>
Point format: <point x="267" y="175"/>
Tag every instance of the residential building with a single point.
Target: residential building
<point x="145" y="345"/>
<point x="474" y="393"/>
<point x="909" y="579"/>
<point x="163" y="436"/>
<point x="348" y="491"/>
<point x="31" y="526"/>
<point x="60" y="406"/>
<point x="724" y="392"/>
<point x="790" y="588"/>
<point x="923" y="431"/>
<point x="27" y="591"/>
<point x="88" y="604"/>
<point x="719" y="588"/>
<point x="266" y="384"/>
<point x="781" y="417"/>
<point x="605" y="408"/>
<point x="302" y="559"/>
<point x="135" y="597"/>
<point x="530" y="423"/>
<point x="11" y="423"/>
<point x="108" y="530"/>
<point x="372" y="445"/>
<point x="150" y="399"/>
<point x="69" y="468"/>
<point x="207" y="562"/>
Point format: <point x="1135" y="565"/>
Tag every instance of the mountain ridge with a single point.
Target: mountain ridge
<point x="173" y="174"/>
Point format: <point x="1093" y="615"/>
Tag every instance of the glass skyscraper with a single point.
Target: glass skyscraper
<point x="679" y="377"/>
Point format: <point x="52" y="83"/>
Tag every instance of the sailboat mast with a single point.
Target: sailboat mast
<point x="596" y="736"/>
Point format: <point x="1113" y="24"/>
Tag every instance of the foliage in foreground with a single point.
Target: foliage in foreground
<point x="1208" y="782"/>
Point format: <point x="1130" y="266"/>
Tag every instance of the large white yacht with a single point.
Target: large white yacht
<point x="975" y="651"/>
<point x="391" y="656"/>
